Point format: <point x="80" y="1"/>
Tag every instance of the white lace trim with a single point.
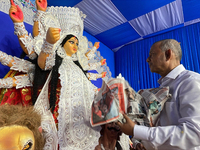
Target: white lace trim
<point x="74" y="57"/>
<point x="91" y="54"/>
<point x="103" y="68"/>
<point x="124" y="141"/>
<point x="102" y="147"/>
<point x="47" y="47"/>
<point x="20" y="29"/>
<point x="82" y="48"/>
<point x="22" y="65"/>
<point x="42" y="31"/>
<point x="93" y="76"/>
<point x="39" y="15"/>
<point x="61" y="52"/>
<point x="77" y="93"/>
<point x="50" y="61"/>
<point x="83" y="44"/>
<point x="28" y="43"/>
<point x="83" y="60"/>
<point x="6" y="83"/>
<point x="48" y="124"/>
<point x="4" y="58"/>
<point x="49" y="131"/>
<point x="94" y="66"/>
<point x="22" y="81"/>
<point x="70" y="22"/>
<point x="38" y="43"/>
<point x="32" y="56"/>
<point x="48" y="20"/>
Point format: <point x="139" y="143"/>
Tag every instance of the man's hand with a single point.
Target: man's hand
<point x="53" y="35"/>
<point x="98" y="147"/>
<point x="139" y="146"/>
<point x="15" y="13"/>
<point x="127" y="127"/>
<point x="41" y="5"/>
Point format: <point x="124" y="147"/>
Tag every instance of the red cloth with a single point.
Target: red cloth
<point x="15" y="96"/>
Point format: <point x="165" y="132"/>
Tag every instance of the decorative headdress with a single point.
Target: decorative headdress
<point x="70" y="21"/>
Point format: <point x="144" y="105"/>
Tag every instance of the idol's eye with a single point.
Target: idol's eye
<point x="28" y="146"/>
<point x="72" y="42"/>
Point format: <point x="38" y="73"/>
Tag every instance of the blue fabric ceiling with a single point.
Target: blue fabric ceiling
<point x="116" y="23"/>
<point x="120" y="22"/>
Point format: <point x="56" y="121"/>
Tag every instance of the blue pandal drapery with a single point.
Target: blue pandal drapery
<point x="130" y="60"/>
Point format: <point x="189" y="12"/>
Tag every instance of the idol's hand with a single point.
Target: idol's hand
<point x="96" y="44"/>
<point x="53" y="35"/>
<point x="41" y="5"/>
<point x="103" y="61"/>
<point x="103" y="74"/>
<point x="15" y="13"/>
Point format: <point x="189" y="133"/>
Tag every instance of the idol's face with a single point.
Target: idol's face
<point x="16" y="138"/>
<point x="71" y="46"/>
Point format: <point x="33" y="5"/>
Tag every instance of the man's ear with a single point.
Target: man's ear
<point x="168" y="54"/>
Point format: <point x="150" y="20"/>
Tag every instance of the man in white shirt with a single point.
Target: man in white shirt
<point x="179" y="125"/>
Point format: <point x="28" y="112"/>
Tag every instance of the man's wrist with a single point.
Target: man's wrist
<point x="140" y="132"/>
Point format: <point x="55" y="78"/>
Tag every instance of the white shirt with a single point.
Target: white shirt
<point x="179" y="126"/>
